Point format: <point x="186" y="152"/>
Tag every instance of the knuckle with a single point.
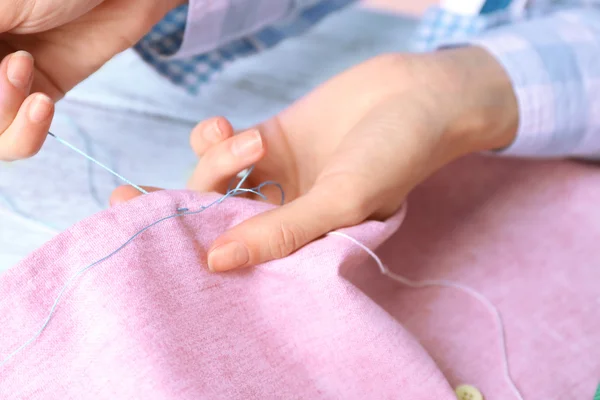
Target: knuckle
<point x="351" y="206"/>
<point x="285" y="239"/>
<point x="354" y="210"/>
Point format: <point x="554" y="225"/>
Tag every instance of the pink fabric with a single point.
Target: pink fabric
<point x="323" y="324"/>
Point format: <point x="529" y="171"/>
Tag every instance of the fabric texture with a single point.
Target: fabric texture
<point x="195" y="41"/>
<point x="152" y="323"/>
<point x="551" y="52"/>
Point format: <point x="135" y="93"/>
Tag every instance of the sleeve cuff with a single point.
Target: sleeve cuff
<point x="211" y="24"/>
<point x="552" y="63"/>
<point x="536" y="100"/>
<point x="204" y="25"/>
<point x="190" y="59"/>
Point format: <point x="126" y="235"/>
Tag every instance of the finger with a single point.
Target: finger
<point x="26" y="135"/>
<point x="225" y="160"/>
<point x="208" y="133"/>
<point x="16" y="76"/>
<point x="277" y="233"/>
<point x="123" y="194"/>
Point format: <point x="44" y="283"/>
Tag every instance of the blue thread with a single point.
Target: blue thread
<point x="89" y="149"/>
<point x="116" y="174"/>
<point x="114" y="159"/>
<point x="243" y="180"/>
<point x="181" y="212"/>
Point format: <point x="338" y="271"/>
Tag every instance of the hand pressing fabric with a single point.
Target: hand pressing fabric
<point x="354" y="148"/>
<point x="69" y="39"/>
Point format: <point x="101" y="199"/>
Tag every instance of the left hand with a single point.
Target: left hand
<point x="354" y="148"/>
<point x="68" y="40"/>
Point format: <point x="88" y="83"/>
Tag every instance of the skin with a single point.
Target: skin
<point x="69" y="40"/>
<point x="354" y="148"/>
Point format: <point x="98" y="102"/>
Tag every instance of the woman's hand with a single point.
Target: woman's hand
<point x="354" y="148"/>
<point x="69" y="40"/>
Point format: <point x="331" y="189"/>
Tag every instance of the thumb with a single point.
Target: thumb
<point x="275" y="234"/>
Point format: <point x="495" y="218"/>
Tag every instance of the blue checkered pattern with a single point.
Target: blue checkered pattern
<point x="551" y="53"/>
<point x="439" y="25"/>
<point x="166" y="38"/>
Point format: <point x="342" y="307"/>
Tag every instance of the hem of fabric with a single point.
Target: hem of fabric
<point x="190" y="201"/>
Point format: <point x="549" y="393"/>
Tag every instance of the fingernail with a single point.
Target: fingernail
<point x="246" y="144"/>
<point x="20" y="69"/>
<point x="40" y="108"/>
<point x="227" y="257"/>
<point x="213" y="132"/>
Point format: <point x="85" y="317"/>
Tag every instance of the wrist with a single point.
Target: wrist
<point x="479" y="98"/>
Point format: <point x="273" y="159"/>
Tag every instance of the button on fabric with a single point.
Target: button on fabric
<point x="468" y="392"/>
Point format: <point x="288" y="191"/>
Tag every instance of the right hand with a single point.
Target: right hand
<point x="70" y="40"/>
<point x="354" y="148"/>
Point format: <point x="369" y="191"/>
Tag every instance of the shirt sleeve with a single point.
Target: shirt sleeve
<point x="210" y="24"/>
<point x="198" y="39"/>
<point x="554" y="65"/>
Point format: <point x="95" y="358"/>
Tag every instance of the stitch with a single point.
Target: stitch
<point x="180" y="213"/>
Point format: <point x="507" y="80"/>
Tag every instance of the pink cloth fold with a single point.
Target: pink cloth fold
<point x="152" y="323"/>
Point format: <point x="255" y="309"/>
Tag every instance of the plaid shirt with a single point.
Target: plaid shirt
<point x="550" y="50"/>
<point x="193" y="42"/>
